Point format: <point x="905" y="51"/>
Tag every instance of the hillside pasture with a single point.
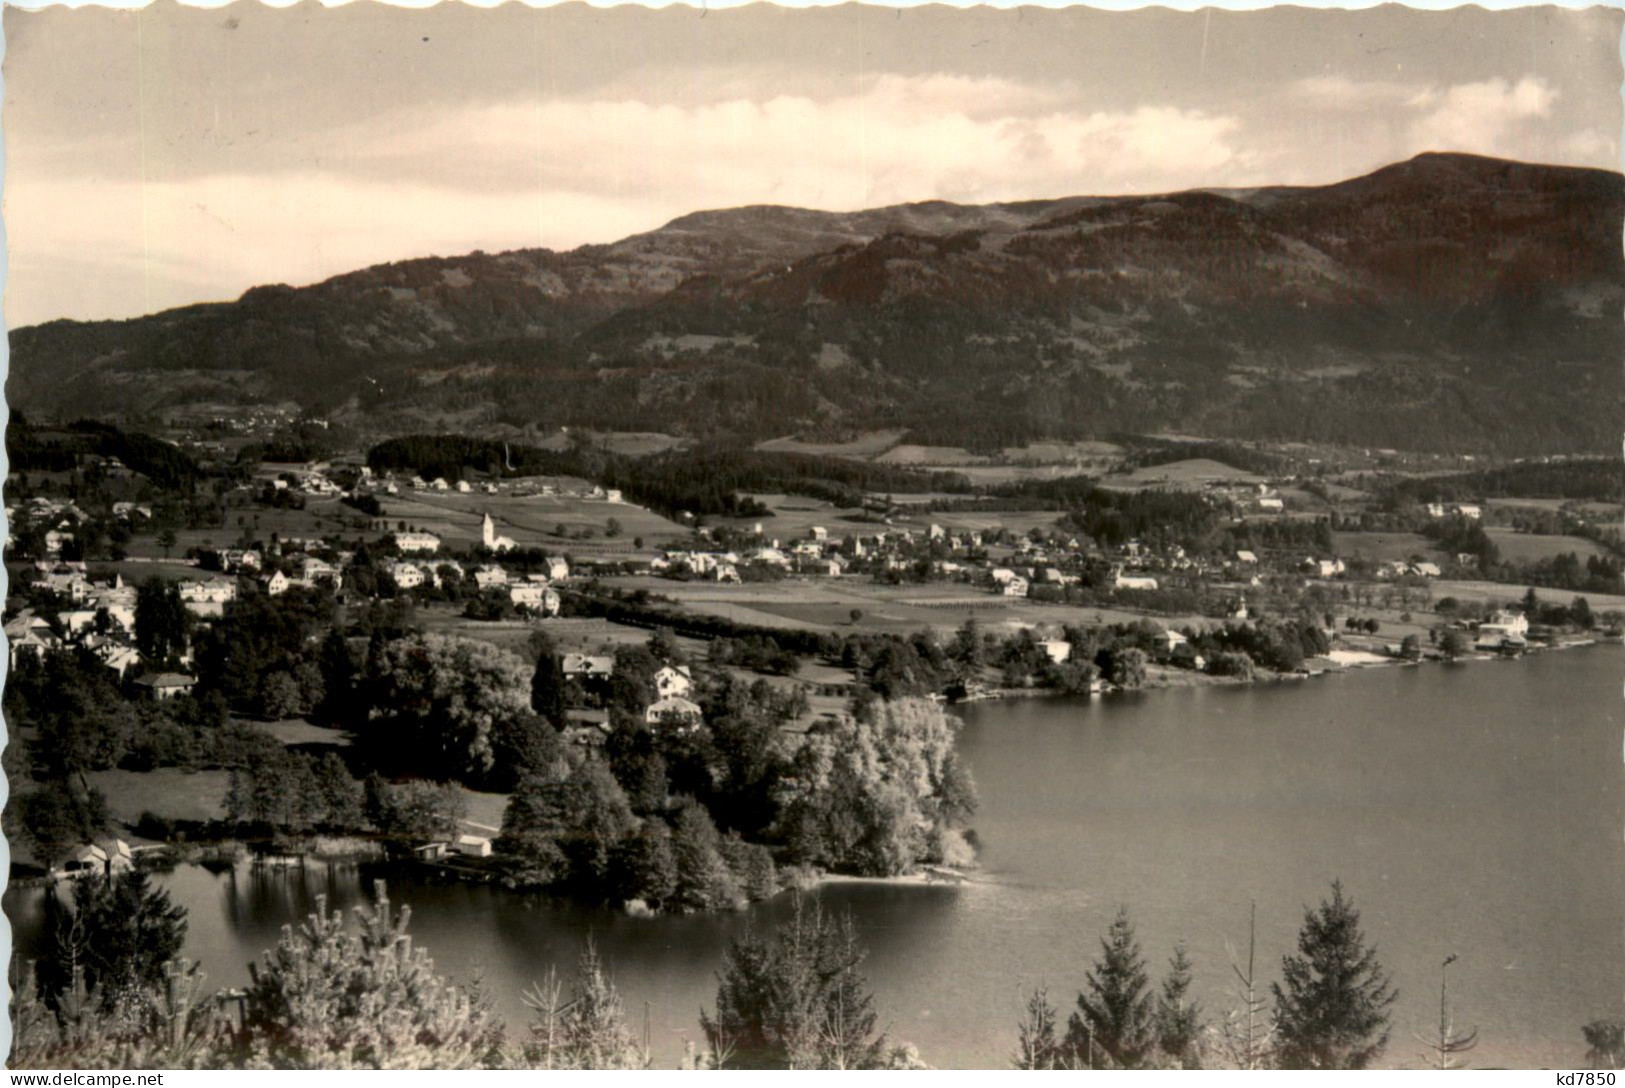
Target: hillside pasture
<point x="167" y="791"/>
<point x="532" y="521"/>
<point x="1532" y="548"/>
<point x="1192" y="474"/>
<point x="1383" y="547"/>
<point x="862" y="448"/>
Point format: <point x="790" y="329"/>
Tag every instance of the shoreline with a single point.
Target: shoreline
<point x="1166" y="678"/>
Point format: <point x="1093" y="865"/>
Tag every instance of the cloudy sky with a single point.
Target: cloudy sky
<point x="174" y="155"/>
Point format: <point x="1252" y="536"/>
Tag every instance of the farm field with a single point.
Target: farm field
<point x="1383" y="547"/>
<point x="827" y="605"/>
<point x="531" y="521"/>
<point x="932" y="456"/>
<point x="794" y="515"/>
<point x="1194" y="473"/>
<point x="1497" y="593"/>
<point x="571" y="635"/>
<point x="862" y="448"/>
<point x="1528" y="547"/>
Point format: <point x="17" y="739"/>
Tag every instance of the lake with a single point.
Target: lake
<point x="1472" y="809"/>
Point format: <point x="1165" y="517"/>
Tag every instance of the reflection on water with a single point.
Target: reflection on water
<point x="1469" y="809"/>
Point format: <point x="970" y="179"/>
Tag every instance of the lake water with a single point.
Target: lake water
<point x="1472" y="809"/>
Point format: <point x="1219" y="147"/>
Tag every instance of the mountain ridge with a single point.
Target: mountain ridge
<point x="1346" y="312"/>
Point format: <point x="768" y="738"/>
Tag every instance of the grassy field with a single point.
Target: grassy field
<point x="1192" y="474"/>
<point x="862" y="448"/>
<point x="532" y="521"/>
<point x="1497" y="593"/>
<point x="167" y="792"/>
<point x="1529" y="548"/>
<point x="826" y="604"/>
<point x="298" y="731"/>
<point x="1383" y="547"/>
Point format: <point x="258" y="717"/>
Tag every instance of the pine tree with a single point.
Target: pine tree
<point x="1114" y="1014"/>
<point x="1605" y="1044"/>
<point x="1037" y="1046"/>
<point x="587" y="1031"/>
<point x="1247" y="1032"/>
<point x="798" y="1002"/>
<point x="332" y="997"/>
<point x="1178" y="1019"/>
<point x="1333" y="1009"/>
<point x="1444" y="1047"/>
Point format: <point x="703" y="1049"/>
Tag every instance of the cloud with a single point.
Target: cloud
<point x="899" y="139"/>
<point x="1492" y="117"/>
<point x="562" y="172"/>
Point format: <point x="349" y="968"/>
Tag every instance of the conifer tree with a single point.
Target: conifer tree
<point x="1332" y="1011"/>
<point x="1037" y="1046"/>
<point x="334" y="997"/>
<point x="797" y="1002"/>
<point x="1114" y="1017"/>
<point x="1178" y="1019"/>
<point x="586" y="1031"/>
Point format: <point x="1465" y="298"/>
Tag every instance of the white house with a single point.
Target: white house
<point x="535" y="596"/>
<point x="213" y="591"/>
<point x="1509" y="625"/>
<point x="674" y="680"/>
<point x="406" y="575"/>
<point x="1134" y="581"/>
<point x="1059" y="650"/>
<point x="1272" y="504"/>
<point x="413" y="542"/>
<point x="675" y="711"/>
<point x="1246" y="557"/>
<point x="489" y="576"/>
<point x="588" y="666"/>
<point x="557" y="568"/>
<point x="1168" y="640"/>
<point x="166" y="685"/>
<point x="1015" y="587"/>
<point x="277" y="584"/>
<point x="472" y="846"/>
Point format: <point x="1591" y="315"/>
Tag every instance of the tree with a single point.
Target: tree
<point x="587" y="1031"/>
<point x="1452" y="643"/>
<point x="797" y="1002"/>
<point x="1605" y="1044"/>
<point x="704" y="881"/>
<point x="547" y="681"/>
<point x="568" y="829"/>
<point x="884" y="791"/>
<point x="1114" y="1016"/>
<point x="1178" y="1019"/>
<point x="1127" y="667"/>
<point x="645" y="867"/>
<point x="439" y="700"/>
<point x="117" y="939"/>
<point x="1410" y="647"/>
<point x="1036" y="1044"/>
<point x="1444" y="1047"/>
<point x="1248" y="1032"/>
<point x="173" y="1024"/>
<point x="330" y="996"/>
<point x="161" y="621"/>
<point x="1332" y="1010"/>
<point x="167" y="541"/>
